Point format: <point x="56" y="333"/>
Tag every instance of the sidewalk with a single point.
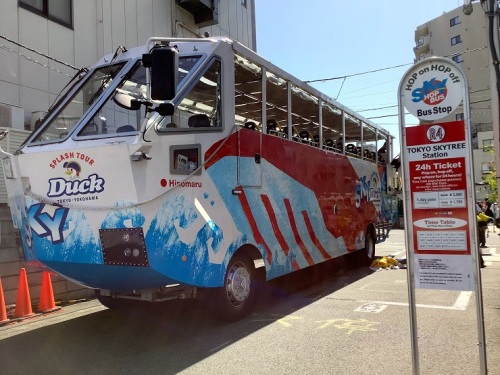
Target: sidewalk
<point x="491" y="254"/>
<point x="490" y="287"/>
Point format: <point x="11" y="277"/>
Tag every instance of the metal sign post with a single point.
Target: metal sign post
<point x="438" y="191"/>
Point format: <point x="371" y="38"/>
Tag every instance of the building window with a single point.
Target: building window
<point x="482" y="127"/>
<point x="459" y="116"/>
<point x="420" y="42"/>
<point x="458" y="58"/>
<point x="455" y="21"/>
<point x="487" y="145"/>
<point x="244" y="3"/>
<point x="487" y="168"/>
<point x="59" y="11"/>
<point x="456" y="40"/>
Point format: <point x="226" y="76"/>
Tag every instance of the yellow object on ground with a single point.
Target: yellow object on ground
<point x="384" y="263"/>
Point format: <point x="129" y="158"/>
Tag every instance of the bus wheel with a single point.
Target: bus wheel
<point x="369" y="250"/>
<point x="236" y="298"/>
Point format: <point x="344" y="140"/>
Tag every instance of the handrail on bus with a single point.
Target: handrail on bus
<point x="368" y="155"/>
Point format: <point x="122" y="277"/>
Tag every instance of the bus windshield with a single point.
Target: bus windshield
<point x="66" y="119"/>
<point x="122" y="112"/>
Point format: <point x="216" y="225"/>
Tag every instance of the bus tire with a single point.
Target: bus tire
<point x="236" y="298"/>
<point x="369" y="250"/>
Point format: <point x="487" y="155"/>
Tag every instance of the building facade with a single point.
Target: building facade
<point x="463" y="38"/>
<point x="78" y="33"/>
<point x="43" y="43"/>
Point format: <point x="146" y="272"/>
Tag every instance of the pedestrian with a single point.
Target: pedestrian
<point x="481" y="232"/>
<point x="488" y="211"/>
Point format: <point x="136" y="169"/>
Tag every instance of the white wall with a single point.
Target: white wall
<point x="99" y="27"/>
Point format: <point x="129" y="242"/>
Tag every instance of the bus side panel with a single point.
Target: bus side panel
<point x="313" y="205"/>
<point x="192" y="236"/>
<point x="389" y="207"/>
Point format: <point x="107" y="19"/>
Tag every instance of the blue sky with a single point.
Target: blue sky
<point x="319" y="39"/>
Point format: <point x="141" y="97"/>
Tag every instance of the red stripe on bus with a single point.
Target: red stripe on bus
<point x="314" y="239"/>
<point x="274" y="224"/>
<point x="298" y="239"/>
<point x="253" y="225"/>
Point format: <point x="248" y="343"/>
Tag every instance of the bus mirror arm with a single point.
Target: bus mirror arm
<point x="139" y="155"/>
<point x="165" y="109"/>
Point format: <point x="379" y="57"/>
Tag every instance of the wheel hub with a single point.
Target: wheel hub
<point x="238" y="284"/>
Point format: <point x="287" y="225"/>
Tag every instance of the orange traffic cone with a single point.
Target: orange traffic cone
<point x="23" y="301"/>
<point x="3" y="309"/>
<point x="47" y="303"/>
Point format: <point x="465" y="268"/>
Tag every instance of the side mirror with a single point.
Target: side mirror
<point x="127" y="101"/>
<point x="163" y="62"/>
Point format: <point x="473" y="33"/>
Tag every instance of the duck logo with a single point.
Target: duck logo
<point x="59" y="186"/>
<point x="73" y="169"/>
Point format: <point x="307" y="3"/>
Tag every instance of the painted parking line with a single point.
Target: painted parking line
<point x="460" y="304"/>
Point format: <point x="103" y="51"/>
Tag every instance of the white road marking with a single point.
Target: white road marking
<point x="462" y="300"/>
<point x="373" y="308"/>
<point x="460" y="304"/>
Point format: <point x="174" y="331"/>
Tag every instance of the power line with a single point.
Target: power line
<point x="37" y="52"/>
<point x="376" y="109"/>
<point x="387" y="68"/>
<point x="357" y="74"/>
<point x="32" y="60"/>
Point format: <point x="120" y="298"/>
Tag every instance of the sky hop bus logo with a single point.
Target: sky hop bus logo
<point x="432" y="92"/>
<point x="432" y="89"/>
<point x="435" y="133"/>
<point x="368" y="188"/>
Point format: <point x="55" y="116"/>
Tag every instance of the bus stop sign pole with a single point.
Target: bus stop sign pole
<point x="438" y="191"/>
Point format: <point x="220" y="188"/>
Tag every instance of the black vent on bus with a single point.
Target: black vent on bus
<point x="205" y="12"/>
<point x="124" y="247"/>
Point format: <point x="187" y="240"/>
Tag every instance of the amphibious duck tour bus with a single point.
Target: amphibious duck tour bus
<point x="177" y="167"/>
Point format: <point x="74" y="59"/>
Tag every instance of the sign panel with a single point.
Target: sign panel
<point x="437" y="159"/>
<point x="436" y="162"/>
<point x="433" y="91"/>
<point x="439" y="196"/>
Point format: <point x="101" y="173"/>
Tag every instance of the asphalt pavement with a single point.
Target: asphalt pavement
<point x="442" y="329"/>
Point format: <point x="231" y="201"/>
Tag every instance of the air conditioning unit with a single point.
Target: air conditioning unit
<point x="11" y="116"/>
<point x="204" y="12"/>
<point x="36" y="118"/>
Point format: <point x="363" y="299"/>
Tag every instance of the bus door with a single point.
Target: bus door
<point x="249" y="156"/>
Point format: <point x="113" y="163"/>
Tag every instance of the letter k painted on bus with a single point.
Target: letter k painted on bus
<point x="45" y="225"/>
